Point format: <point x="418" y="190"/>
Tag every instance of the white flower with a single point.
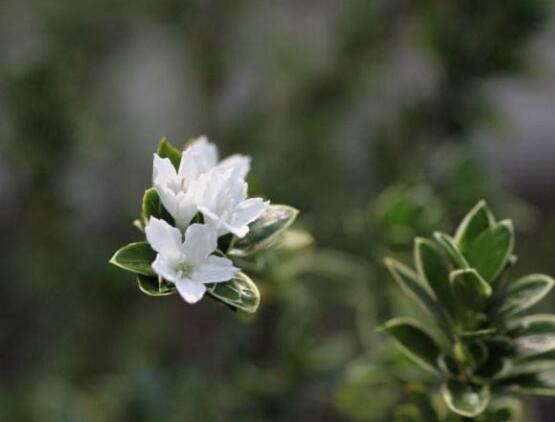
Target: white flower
<point x="188" y="264"/>
<point x="202" y="156"/>
<point x="173" y="186"/>
<point x="221" y="196"/>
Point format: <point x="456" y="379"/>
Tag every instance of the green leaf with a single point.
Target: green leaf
<point x="532" y="367"/>
<point x="540" y="384"/>
<point x="167" y="150"/>
<point x="453" y="252"/>
<point x="408" y="281"/>
<point x="468" y="400"/>
<point x="502" y="410"/>
<point x="477" y="221"/>
<point x="525" y="293"/>
<point x="433" y="268"/>
<point x="534" y="335"/>
<point x="240" y="293"/>
<point x="155" y="286"/>
<point x="265" y="230"/>
<point x="471" y="292"/>
<point x="490" y="252"/>
<point x="152" y="207"/>
<point x="414" y="340"/>
<point x="136" y="257"/>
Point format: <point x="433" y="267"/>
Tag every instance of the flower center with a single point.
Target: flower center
<point x="184" y="269"/>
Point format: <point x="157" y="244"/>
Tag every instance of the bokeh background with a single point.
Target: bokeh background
<point x="378" y="119"/>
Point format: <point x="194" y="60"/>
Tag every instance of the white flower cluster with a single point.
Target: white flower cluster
<point x="217" y="190"/>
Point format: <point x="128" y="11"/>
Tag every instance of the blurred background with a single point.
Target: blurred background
<point x="379" y="119"/>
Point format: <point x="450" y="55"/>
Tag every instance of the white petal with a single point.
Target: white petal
<point x="165" y="267"/>
<point x="190" y="290"/>
<point x="163" y="170"/>
<point x="168" y="198"/>
<point x="185" y="210"/>
<point x="208" y="190"/>
<point x="215" y="269"/>
<point x="240" y="164"/>
<point x="200" y="241"/>
<point x="163" y="238"/>
<point x="236" y="191"/>
<point x="249" y="210"/>
<point x="200" y="157"/>
<point x="221" y="226"/>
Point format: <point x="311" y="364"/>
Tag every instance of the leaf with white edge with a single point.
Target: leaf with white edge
<point x="539" y="384"/>
<point x="490" y="252"/>
<point x="240" y="293"/>
<point x="531" y="367"/>
<point x="414" y="340"/>
<point x="152" y="207"/>
<point x="535" y="335"/>
<point x="155" y="286"/>
<point x="525" y="293"/>
<point x="477" y="221"/>
<point x="432" y="267"/>
<point x="471" y="292"/>
<point x="167" y="150"/>
<point x="502" y="410"/>
<point x="265" y="230"/>
<point x="466" y="400"/>
<point x="409" y="283"/>
<point x="453" y="252"/>
<point x="136" y="257"/>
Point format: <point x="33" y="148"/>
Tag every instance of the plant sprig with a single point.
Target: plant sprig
<point x="481" y="341"/>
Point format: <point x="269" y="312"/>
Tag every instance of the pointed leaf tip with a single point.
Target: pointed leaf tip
<point x="167" y="150"/>
<point x="136" y="257"/>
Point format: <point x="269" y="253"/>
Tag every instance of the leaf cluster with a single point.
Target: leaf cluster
<point x="482" y="342"/>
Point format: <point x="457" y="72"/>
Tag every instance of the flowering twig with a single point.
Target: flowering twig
<point x="200" y="225"/>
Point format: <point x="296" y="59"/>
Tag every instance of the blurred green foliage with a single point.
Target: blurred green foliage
<point x="342" y="120"/>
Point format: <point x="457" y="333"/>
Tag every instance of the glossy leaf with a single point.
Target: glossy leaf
<point x="152" y="207"/>
<point x="535" y="335"/>
<point x="264" y="231"/>
<point x="471" y="293"/>
<point x="532" y="367"/>
<point x="414" y="341"/>
<point x="408" y="282"/>
<point x="240" y="293"/>
<point x="136" y="257"/>
<point x="477" y="221"/>
<point x="432" y="267"/>
<point x="503" y="410"/>
<point x="525" y="293"/>
<point x="155" y="286"/>
<point x="465" y="399"/>
<point x="167" y="150"/>
<point x="539" y="384"/>
<point x="490" y="252"/>
<point x="452" y="250"/>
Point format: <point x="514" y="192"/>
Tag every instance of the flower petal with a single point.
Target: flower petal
<point x="200" y="157"/>
<point x="190" y="290"/>
<point x="168" y="198"/>
<point x="249" y="210"/>
<point x="163" y="170"/>
<point x="165" y="268"/>
<point x="185" y="210"/>
<point x="200" y="241"/>
<point x="241" y="165"/>
<point x="215" y="269"/>
<point x="163" y="238"/>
